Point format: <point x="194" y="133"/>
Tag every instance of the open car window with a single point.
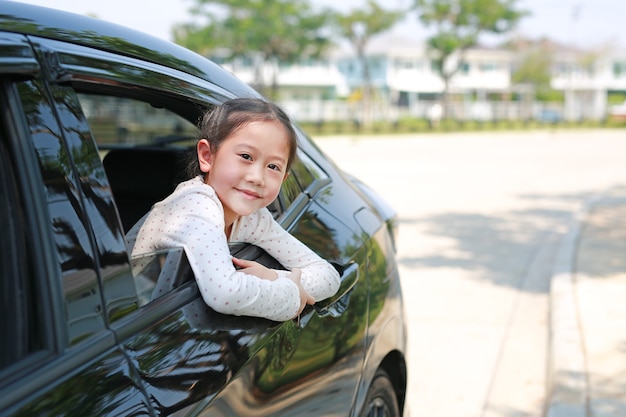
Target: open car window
<point x="145" y="146"/>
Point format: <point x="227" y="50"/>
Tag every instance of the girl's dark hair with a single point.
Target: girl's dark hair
<point x="221" y="121"/>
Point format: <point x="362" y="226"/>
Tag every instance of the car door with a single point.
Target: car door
<point x="192" y="358"/>
<point x="196" y="361"/>
<point x="61" y="359"/>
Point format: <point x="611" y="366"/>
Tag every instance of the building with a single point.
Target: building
<point x="404" y="83"/>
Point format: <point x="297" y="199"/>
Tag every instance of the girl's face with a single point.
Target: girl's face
<point x="249" y="168"/>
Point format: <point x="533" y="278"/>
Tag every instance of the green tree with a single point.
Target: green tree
<point x="358" y="27"/>
<point x="533" y="67"/>
<point x="458" y="25"/>
<point x="268" y="32"/>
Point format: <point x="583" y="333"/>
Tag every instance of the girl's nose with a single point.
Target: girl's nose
<point x="255" y="174"/>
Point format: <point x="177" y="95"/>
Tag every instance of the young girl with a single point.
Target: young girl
<point x="244" y="154"/>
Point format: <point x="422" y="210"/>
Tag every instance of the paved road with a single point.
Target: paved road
<point x="482" y="217"/>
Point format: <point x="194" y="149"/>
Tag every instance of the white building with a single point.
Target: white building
<point x="587" y="79"/>
<point x="405" y="82"/>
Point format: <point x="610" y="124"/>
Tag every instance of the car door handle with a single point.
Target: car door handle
<point x="335" y="305"/>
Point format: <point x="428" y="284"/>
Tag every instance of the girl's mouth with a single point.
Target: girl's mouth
<point x="249" y="193"/>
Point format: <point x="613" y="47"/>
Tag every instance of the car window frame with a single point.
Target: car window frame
<point x="42" y="258"/>
<point x="81" y="65"/>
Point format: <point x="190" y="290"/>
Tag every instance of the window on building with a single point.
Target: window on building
<point x="619" y="68"/>
<point x="405" y="64"/>
<point x="488" y="67"/>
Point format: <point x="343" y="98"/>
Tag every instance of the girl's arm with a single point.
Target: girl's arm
<point x="195" y="222"/>
<point x="319" y="278"/>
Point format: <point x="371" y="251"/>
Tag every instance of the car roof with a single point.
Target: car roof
<point x="83" y="30"/>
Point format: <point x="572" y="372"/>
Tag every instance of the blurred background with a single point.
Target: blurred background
<point x="406" y="65"/>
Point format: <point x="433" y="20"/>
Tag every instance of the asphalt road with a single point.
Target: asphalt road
<point x="481" y="219"/>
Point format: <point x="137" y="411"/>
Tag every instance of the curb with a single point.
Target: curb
<point x="567" y="372"/>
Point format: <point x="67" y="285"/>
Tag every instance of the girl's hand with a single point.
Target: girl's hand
<point x="254" y="268"/>
<point x="305" y="298"/>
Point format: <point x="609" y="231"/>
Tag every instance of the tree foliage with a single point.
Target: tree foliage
<point x="270" y="31"/>
<point x="533" y="66"/>
<point x="458" y="25"/>
<point x="358" y="27"/>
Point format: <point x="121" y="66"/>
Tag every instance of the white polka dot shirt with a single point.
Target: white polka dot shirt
<point x="192" y="217"/>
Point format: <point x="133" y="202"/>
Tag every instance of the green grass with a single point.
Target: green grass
<point x="423" y="126"/>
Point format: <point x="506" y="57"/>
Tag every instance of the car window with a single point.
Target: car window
<point x="141" y="143"/>
<point x="307" y="171"/>
<point x="289" y="190"/>
<point x="142" y="146"/>
<point x="302" y="175"/>
<point x="123" y="122"/>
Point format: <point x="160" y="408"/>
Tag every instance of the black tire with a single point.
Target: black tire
<point x="381" y="398"/>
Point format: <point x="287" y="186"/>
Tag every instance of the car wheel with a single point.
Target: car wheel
<point x="381" y="398"/>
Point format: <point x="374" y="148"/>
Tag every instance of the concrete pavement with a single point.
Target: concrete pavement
<point x="588" y="313"/>
<point x="513" y="291"/>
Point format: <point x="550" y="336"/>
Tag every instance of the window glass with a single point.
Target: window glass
<point x="307" y="171"/>
<point x="21" y="327"/>
<point x="290" y="189"/>
<point x="158" y="273"/>
<point x="124" y="120"/>
<point x="303" y="174"/>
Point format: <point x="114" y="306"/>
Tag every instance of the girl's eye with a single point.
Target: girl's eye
<point x="274" y="167"/>
<point x="246" y="156"/>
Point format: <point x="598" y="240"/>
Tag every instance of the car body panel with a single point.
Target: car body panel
<point x="92" y="379"/>
<point x="284" y="367"/>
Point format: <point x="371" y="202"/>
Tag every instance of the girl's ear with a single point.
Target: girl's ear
<point x="205" y="156"/>
<point x="286" y="175"/>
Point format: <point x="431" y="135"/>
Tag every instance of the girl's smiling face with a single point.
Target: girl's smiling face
<point x="248" y="169"/>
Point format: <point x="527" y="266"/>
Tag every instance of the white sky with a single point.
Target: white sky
<point x="585" y="23"/>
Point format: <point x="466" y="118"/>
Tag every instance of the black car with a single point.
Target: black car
<point x="96" y="120"/>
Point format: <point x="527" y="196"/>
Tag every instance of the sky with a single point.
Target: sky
<point x="583" y="23"/>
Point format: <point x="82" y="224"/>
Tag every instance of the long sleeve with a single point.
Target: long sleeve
<point x="192" y="218"/>
<point x="319" y="278"/>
